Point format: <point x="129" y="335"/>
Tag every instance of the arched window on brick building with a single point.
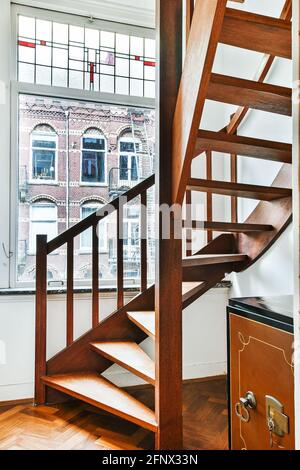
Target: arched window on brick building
<point x="44" y="143"/>
<point x="93" y="158"/>
<point x="128" y="160"/>
<point x="43" y="221"/>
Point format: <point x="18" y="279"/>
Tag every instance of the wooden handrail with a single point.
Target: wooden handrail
<point x="93" y="219"/>
<point x="45" y="248"/>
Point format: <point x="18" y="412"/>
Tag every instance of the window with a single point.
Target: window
<point x="86" y="237"/>
<point x="43" y="150"/>
<point x="93" y="166"/>
<point x="129" y="160"/>
<point x="88" y="58"/>
<point x="76" y="86"/>
<point x="43" y="221"/>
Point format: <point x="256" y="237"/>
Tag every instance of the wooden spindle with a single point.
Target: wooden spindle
<point x="41" y="318"/>
<point x="233" y="171"/>
<point x="70" y="292"/>
<point x="95" y="277"/>
<point x="120" y="258"/>
<point x="144" y="241"/>
<point x="188" y="216"/>
<point x="209" y="198"/>
<point x="190" y="5"/>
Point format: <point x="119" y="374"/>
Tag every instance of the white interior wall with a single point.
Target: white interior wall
<point x="204" y="348"/>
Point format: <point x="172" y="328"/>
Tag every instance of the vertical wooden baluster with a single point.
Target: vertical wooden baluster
<point x="41" y="318"/>
<point x="188" y="231"/>
<point x="144" y="241"/>
<point x="190" y="4"/>
<point x="70" y="292"/>
<point x="233" y="165"/>
<point x="120" y="259"/>
<point x="95" y="280"/>
<point x="209" y="197"/>
<point x="168" y="272"/>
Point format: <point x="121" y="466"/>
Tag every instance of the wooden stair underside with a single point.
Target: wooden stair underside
<point x="229" y="227"/>
<point x="129" y="355"/>
<point x="206" y="260"/>
<point x="250" y="191"/>
<point x="100" y="392"/>
<point x="257" y="33"/>
<point x="145" y="320"/>
<point x="251" y="94"/>
<point x="243" y="146"/>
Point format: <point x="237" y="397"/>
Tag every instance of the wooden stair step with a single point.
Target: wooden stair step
<point x="250" y="191"/>
<point x="100" y="392"/>
<point x="206" y="260"/>
<point x="243" y="146"/>
<point x="251" y="94"/>
<point x="129" y="355"/>
<point x="227" y="226"/>
<point x="145" y="320"/>
<point x="257" y="33"/>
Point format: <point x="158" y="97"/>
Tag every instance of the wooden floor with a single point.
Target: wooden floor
<point x="78" y="426"/>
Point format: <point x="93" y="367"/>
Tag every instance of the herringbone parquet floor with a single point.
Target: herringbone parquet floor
<point x="78" y="426"/>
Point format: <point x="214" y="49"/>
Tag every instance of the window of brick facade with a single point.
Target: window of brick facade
<point x="43" y="153"/>
<point x="129" y="160"/>
<point x="43" y="220"/>
<point x="93" y="158"/>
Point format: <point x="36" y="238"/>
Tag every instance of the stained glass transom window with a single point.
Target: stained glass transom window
<point x="58" y="54"/>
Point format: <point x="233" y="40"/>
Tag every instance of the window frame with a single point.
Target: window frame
<point x="19" y="88"/>
<point x="41" y="202"/>
<point x="39" y="181"/>
<point x="129" y="180"/>
<point x="96" y="136"/>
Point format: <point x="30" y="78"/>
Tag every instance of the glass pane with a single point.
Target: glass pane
<point x="92" y="38"/>
<point x="150" y="89"/>
<point x="43" y="55"/>
<point x="75" y="79"/>
<point x="60" y="33"/>
<point x="126" y="146"/>
<point x="150" y="48"/>
<point x="76" y="34"/>
<point x="44" y="30"/>
<point x="26" y="73"/>
<point x="136" y="46"/>
<point x="27" y="27"/>
<point x="122" y="86"/>
<point x="43" y="164"/>
<point x="122" y="67"/>
<point x="26" y="54"/>
<point x="43" y="75"/>
<point x="136" y="87"/>
<point x="107" y="84"/>
<point x="136" y="69"/>
<point x="93" y="167"/>
<point x="122" y="43"/>
<point x="60" y="57"/>
<point x="134" y="169"/>
<point x="60" y="77"/>
<point x="124" y="167"/>
<point x="107" y="39"/>
<point x="93" y="143"/>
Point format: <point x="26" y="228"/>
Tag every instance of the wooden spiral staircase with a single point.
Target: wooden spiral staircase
<point x="156" y="311"/>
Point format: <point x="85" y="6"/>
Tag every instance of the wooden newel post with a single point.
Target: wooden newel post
<point x="41" y="318"/>
<point x="168" y="282"/>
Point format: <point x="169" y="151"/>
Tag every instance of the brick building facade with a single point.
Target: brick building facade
<point x="73" y="157"/>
